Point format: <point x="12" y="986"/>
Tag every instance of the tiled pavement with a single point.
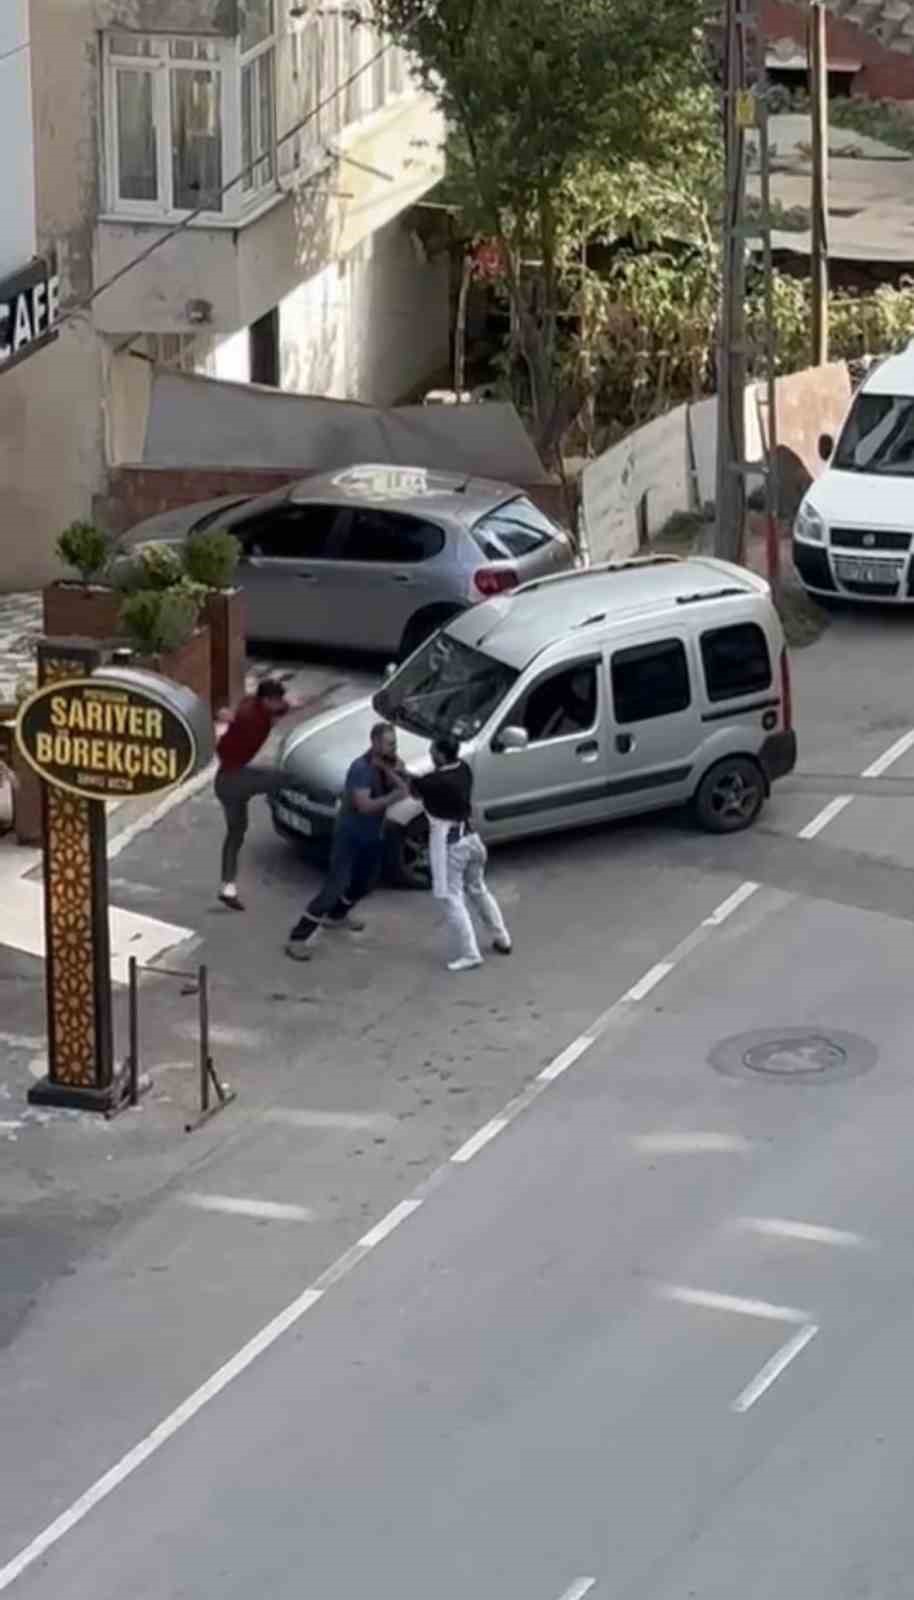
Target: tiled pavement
<point x="20" y="626"/>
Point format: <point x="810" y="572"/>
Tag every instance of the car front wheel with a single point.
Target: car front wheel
<point x="730" y="795"/>
<point x="408" y="855"/>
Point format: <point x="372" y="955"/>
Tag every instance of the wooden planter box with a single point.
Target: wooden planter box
<point x="225" y="615"/>
<point x="190" y="665"/>
<point x="75" y="611"/>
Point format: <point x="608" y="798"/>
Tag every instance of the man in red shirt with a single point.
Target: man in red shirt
<point x="237" y="782"/>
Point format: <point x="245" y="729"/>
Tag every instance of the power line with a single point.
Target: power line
<point x="192" y="216"/>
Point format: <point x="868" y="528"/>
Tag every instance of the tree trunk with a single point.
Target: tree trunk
<point x="460" y="325"/>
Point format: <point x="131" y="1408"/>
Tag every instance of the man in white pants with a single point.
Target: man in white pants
<point x="458" y="856"/>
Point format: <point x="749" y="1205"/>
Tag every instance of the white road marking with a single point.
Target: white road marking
<point x="893" y="754"/>
<point x="11" y="1127"/>
<point x="675" y="1144"/>
<point x="345" y="1121"/>
<point x="160" y="1435"/>
<point x="23" y="1041"/>
<point x="565" y="1059"/>
<point x="472" y="1147"/>
<point x="578" y="1589"/>
<point x="246" y="1037"/>
<point x="708" y="1300"/>
<point x="649" y="981"/>
<point x="386" y="1226"/>
<point x="772" y="1369"/>
<point x="263" y="1210"/>
<point x="732" y="903"/>
<point x="174" y="797"/>
<point x="806" y="1232"/>
<point x="825" y="816"/>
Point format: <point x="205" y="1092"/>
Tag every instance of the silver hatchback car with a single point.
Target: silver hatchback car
<point x="374" y="558"/>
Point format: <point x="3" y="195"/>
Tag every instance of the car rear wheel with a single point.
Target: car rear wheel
<point x="408" y="857"/>
<point x="730" y="795"/>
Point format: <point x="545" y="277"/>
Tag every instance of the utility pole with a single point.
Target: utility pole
<point x="818" y="72"/>
<point x="729" y="536"/>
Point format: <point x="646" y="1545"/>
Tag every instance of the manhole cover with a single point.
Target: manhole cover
<point x="796" y="1055"/>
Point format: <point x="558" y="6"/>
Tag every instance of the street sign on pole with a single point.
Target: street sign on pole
<point x="93" y="733"/>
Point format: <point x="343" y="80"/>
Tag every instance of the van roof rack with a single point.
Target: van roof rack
<point x="624" y="564"/>
<point x="709" y="594"/>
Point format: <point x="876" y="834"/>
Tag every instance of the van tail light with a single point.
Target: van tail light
<point x="490" y="581"/>
<point x="786" y="692"/>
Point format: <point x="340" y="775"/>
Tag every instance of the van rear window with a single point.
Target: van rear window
<point x="736" y="661"/>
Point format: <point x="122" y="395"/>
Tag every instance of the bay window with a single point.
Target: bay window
<point x="185" y="114"/>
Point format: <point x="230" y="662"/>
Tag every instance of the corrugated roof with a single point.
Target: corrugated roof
<point x="889" y="21"/>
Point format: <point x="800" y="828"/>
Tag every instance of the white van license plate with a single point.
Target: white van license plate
<point x="293" y="819"/>
<point x="868" y="571"/>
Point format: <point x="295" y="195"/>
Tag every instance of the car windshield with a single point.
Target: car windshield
<point x="448" y="688"/>
<point x="878" y="436"/>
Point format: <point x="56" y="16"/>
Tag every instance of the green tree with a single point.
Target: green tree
<point x="531" y="93"/>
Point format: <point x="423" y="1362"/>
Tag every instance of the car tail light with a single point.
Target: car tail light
<point x="494" y="580"/>
<point x="786" y="692"/>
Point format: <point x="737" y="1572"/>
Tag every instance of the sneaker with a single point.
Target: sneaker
<point x="464" y="963"/>
<point x="503" y="946"/>
<point x="299" y="949"/>
<point x="351" y="922"/>
<point x="302" y="939"/>
<point x="232" y="901"/>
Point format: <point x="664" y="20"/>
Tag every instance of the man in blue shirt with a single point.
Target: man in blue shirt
<point x="374" y="783"/>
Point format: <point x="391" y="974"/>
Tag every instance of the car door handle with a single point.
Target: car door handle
<point x="625" y="744"/>
<point x="589" y="750"/>
<point x="401" y="577"/>
<point x="306" y="577"/>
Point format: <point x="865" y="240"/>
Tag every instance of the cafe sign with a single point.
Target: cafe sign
<point x="29" y="313"/>
<point x="108" y="740"/>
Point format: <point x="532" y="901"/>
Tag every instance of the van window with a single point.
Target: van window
<point x="563" y="704"/>
<point x="736" y="661"/>
<point x="651" y="680"/>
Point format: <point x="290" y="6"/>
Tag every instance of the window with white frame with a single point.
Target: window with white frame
<point x="258" y="96"/>
<point x="185" y="115"/>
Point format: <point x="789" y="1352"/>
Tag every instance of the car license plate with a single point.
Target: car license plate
<point x="294" y="819"/>
<point x="867" y="571"/>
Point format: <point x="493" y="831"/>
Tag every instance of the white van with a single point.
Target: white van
<point x="596" y="694"/>
<point x="855" y="527"/>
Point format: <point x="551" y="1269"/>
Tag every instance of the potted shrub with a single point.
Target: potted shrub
<point x="161" y="626"/>
<point x="85" y="606"/>
<point x="211" y="561"/>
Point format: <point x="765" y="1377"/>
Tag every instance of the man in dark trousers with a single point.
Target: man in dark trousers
<point x="375" y="782"/>
<point x="237" y="781"/>
<point x="458" y="856"/>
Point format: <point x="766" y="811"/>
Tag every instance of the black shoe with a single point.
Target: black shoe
<point x="301" y="939"/>
<point x="232" y="901"/>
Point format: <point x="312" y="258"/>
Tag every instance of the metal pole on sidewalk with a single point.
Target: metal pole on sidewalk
<point x="818" y="71"/>
<point x="134" y="1024"/>
<point x="205" y="1065"/>
<point x="738" y="111"/>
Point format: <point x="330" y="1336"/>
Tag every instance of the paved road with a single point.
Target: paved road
<point x="530" y="1382"/>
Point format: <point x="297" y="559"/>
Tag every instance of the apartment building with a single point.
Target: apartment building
<point x="225" y="185"/>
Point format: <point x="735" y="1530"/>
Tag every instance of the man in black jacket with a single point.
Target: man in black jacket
<point x="458" y="856"/>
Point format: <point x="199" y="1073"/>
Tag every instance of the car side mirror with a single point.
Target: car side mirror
<point x="389" y="671"/>
<point x="826" y="446"/>
<point x="511" y="740"/>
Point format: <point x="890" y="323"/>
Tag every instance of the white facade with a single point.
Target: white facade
<point x="17" y="191"/>
<point x="295" y="263"/>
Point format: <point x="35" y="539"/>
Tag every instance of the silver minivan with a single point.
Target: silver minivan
<point x="602" y="693"/>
